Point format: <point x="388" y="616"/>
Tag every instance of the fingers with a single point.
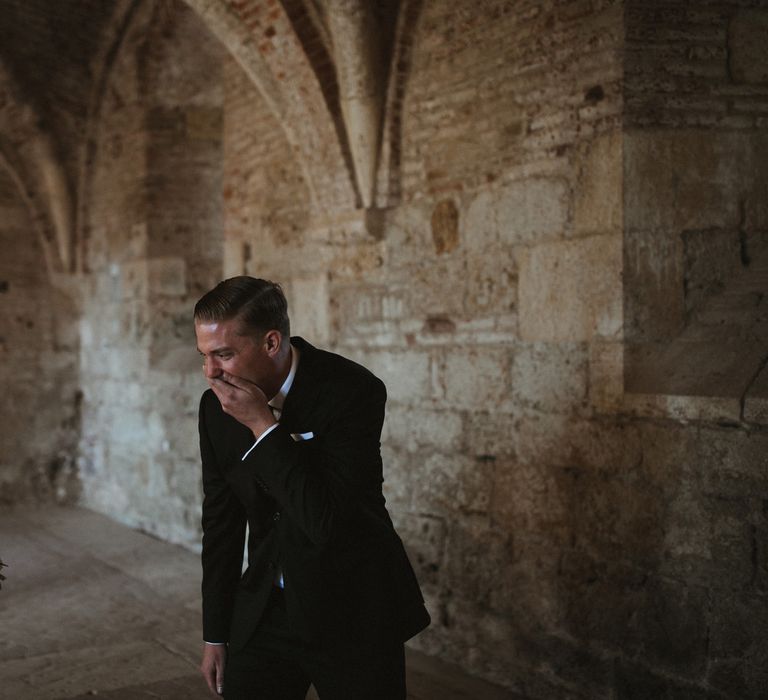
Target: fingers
<point x="220" y="678"/>
<point x="210" y="678"/>
<point x="223" y="383"/>
<point x="237" y="382"/>
<point x="212" y="668"/>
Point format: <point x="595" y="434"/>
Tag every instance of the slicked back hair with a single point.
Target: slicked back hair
<point x="259" y="304"/>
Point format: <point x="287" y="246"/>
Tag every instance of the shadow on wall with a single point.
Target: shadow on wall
<point x="41" y="401"/>
<point x="155" y="213"/>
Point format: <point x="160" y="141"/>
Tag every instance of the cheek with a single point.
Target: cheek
<point x="233" y="366"/>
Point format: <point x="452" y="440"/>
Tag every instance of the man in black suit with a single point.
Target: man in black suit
<point x="289" y="440"/>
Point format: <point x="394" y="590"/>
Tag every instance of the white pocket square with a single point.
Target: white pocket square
<point x="299" y="437"/>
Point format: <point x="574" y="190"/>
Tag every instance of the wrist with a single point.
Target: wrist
<point x="258" y="428"/>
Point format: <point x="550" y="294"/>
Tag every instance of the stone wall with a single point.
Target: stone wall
<point x="41" y="398"/>
<point x="564" y="183"/>
<point x="696" y="176"/>
<point x="155" y="246"/>
<point x="474" y="299"/>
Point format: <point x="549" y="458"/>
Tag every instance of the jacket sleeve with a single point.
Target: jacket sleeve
<point x="223" y="524"/>
<point x="317" y="486"/>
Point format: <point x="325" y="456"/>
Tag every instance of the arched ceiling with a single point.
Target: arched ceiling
<point x="47" y="56"/>
<point x="322" y="66"/>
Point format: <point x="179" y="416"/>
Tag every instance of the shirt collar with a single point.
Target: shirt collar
<point x="278" y="399"/>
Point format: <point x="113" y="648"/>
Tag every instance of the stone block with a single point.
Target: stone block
<point x="203" y="123"/>
<point x="359" y="311"/>
<point x="673" y="624"/>
<point x="490" y="433"/>
<point x="491" y="284"/>
<point x="445" y="226"/>
<point x="481" y="221"/>
<point x="527" y="499"/>
<point x="601" y="601"/>
<point x="732" y="544"/>
<point x="407" y="232"/>
<point x="598" y="195"/>
<point x="129" y="280"/>
<point x="172" y="339"/>
<point x="550" y="377"/>
<point x="532" y="210"/>
<point x="526" y="589"/>
<point x="731" y="463"/>
<point x="755" y="177"/>
<point x="737" y="634"/>
<point x="620" y="516"/>
<point x="309" y="308"/>
<point x="748" y="53"/>
<point x="560" y="298"/>
<point x="710" y="370"/>
<point x="406" y="373"/>
<point x="424" y="539"/>
<point x="167" y="276"/>
<point x="451" y="483"/>
<point x="606" y="375"/>
<point x="711" y="258"/>
<point x="566" y="664"/>
<point x="654" y="301"/>
<point x="737" y="678"/>
<point x="475" y="553"/>
<point x="400" y="469"/>
<point x="475" y="378"/>
<point x="675" y="180"/>
<point x="687" y="547"/>
<point x="756" y="399"/>
<point x="416" y="428"/>
<point x="636" y="682"/>
<point x="437" y="287"/>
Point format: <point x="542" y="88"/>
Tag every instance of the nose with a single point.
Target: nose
<point x="211" y="367"/>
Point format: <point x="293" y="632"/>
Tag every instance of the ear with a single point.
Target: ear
<point x="273" y="341"/>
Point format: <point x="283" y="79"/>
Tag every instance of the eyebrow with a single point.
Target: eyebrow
<point x="223" y="348"/>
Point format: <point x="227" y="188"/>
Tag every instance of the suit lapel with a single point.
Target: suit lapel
<point x="301" y="401"/>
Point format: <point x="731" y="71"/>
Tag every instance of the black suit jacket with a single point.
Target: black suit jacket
<point x="314" y="508"/>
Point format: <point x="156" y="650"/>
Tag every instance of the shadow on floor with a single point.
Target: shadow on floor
<point x="92" y="608"/>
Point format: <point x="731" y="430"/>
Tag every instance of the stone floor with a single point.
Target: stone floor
<point x="93" y="608"/>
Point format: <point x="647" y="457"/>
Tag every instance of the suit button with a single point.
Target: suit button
<point x="276" y="516"/>
<point x="271" y="565"/>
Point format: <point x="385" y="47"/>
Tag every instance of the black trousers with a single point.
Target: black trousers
<point x="276" y="665"/>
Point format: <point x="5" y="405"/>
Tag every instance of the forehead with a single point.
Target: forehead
<point x="217" y="334"/>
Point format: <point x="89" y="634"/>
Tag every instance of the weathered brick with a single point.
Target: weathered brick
<point x="560" y="299"/>
<point x="309" y="308"/>
<point x="475" y="378"/>
<point x="598" y="200"/>
<point x="406" y="373"/>
<point x="748" y="55"/>
<point x="531" y="210"/>
<point x="414" y="428"/>
<point x="167" y="276"/>
<point x="682" y="180"/>
<point x="550" y="377"/>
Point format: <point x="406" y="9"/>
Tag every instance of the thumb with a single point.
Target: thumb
<point x="220" y="676"/>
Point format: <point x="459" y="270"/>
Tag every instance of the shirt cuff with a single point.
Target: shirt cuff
<point x="259" y="439"/>
<point x="216" y="644"/>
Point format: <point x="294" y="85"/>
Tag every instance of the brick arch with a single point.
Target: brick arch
<point x="261" y="37"/>
<point x="126" y="14"/>
<point x="388" y="176"/>
<point x="28" y="156"/>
